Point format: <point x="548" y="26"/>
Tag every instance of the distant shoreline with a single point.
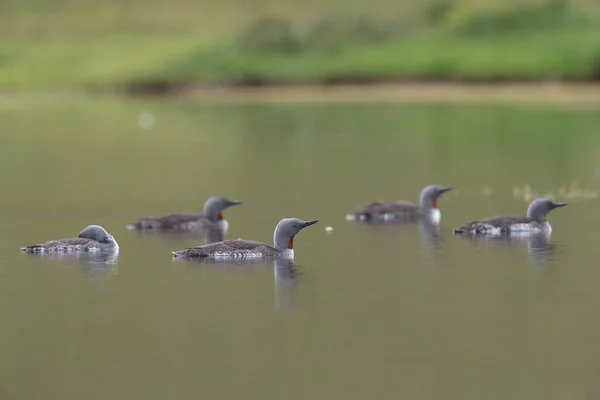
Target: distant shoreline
<point x="260" y="84"/>
<point x="568" y="93"/>
<point x="417" y="91"/>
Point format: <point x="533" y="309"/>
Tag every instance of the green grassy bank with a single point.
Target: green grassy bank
<point x="68" y="43"/>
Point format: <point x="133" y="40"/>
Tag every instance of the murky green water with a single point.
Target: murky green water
<point x="372" y="312"/>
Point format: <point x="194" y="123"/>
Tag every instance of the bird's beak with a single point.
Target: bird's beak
<point x="555" y="205"/>
<point x="309" y="223"/>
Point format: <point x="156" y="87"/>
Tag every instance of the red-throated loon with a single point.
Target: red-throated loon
<point x="283" y="239"/>
<point x="91" y="239"/>
<point x="534" y="223"/>
<point x="212" y="218"/>
<point x="403" y="211"/>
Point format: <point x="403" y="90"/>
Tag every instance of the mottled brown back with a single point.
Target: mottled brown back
<point x="501" y="222"/>
<point x="236" y="246"/>
<point x="170" y="221"/>
<point x="399" y="209"/>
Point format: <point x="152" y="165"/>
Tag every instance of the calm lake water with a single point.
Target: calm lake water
<point x="370" y="312"/>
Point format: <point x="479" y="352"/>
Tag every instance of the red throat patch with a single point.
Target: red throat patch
<point x="220" y="217"/>
<point x="291" y="243"/>
<point x="545" y="219"/>
<point x="434" y="205"/>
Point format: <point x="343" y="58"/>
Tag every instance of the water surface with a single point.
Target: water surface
<point x="367" y="312"/>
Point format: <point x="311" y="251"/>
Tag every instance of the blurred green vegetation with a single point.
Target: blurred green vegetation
<point x="68" y="43"/>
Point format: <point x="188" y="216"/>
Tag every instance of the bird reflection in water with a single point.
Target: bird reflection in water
<point x="539" y="247"/>
<point x="431" y="239"/>
<point x="213" y="236"/>
<point x="93" y="264"/>
<point x="285" y="274"/>
<point x="286" y="281"/>
<point x="210" y="235"/>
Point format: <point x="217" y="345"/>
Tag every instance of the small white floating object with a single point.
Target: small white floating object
<point x="146" y="120"/>
<point x="329" y="229"/>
